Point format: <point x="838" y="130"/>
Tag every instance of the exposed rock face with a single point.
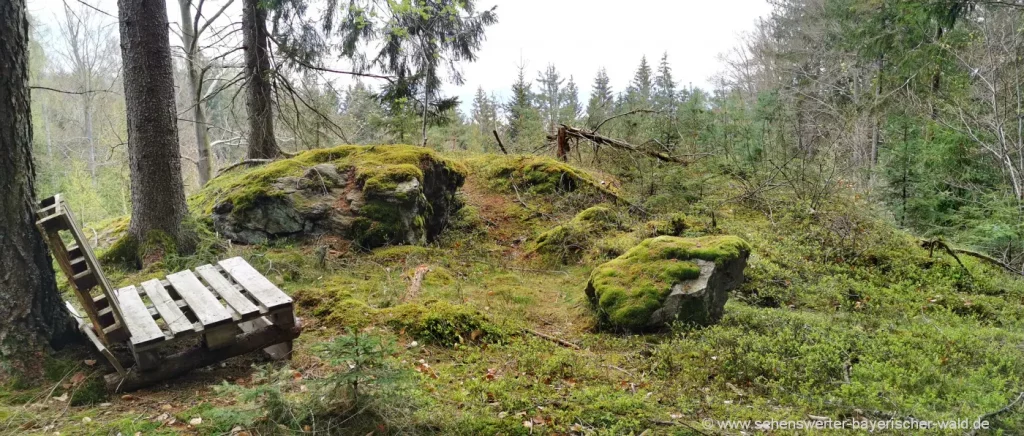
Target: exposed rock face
<point x="372" y="195"/>
<point x="668" y="279"/>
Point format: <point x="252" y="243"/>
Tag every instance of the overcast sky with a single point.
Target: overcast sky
<point x="578" y="36"/>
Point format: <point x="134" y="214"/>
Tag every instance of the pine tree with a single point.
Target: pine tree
<point x="571" y="107"/>
<point x="665" y="98"/>
<point x="485" y="117"/>
<point x="521" y="111"/>
<point x="665" y="102"/>
<point x="601" y="99"/>
<point x="638" y="95"/>
<point x="549" y="97"/>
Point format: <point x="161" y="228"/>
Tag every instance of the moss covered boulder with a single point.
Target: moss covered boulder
<point x="372" y="195"/>
<point x="668" y="279"/>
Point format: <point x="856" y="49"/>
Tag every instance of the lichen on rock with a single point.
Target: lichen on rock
<point x="667" y="279"/>
<point x="372" y="195"/>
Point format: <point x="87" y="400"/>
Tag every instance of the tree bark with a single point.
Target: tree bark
<point x="30" y="307"/>
<point x="188" y="39"/>
<point x="158" y="193"/>
<point x="262" y="144"/>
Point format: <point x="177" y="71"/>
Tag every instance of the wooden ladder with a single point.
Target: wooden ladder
<point x="79" y="264"/>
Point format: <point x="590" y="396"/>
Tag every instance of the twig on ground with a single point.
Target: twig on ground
<point x="246" y="162"/>
<point x="997" y="412"/>
<point x="558" y="341"/>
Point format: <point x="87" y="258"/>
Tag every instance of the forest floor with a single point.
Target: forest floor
<point x="842" y="317"/>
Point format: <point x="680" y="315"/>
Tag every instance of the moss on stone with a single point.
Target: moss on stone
<point x="629" y="288"/>
<point x="378" y="168"/>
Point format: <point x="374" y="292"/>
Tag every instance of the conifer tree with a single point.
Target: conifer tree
<point x="601" y="99"/>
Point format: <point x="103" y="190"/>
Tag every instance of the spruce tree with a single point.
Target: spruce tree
<point x="601" y="99"/>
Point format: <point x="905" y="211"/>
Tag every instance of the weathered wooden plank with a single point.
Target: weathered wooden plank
<point x="227" y="291"/>
<point x="141" y="326"/>
<point x="202" y="302"/>
<point x="89" y="333"/>
<point x="277" y="351"/>
<point x="255" y="284"/>
<point x="176" y="321"/>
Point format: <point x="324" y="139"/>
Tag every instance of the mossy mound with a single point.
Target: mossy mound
<point x="442" y="323"/>
<point x="539" y="175"/>
<point x="372" y="195"/>
<point x="628" y="290"/>
<point x="566" y="242"/>
<point x="434" y="322"/>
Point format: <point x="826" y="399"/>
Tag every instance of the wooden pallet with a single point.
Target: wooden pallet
<point x="216" y="303"/>
<point x="189" y="319"/>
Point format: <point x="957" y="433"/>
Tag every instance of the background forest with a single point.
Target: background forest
<point x="914" y="104"/>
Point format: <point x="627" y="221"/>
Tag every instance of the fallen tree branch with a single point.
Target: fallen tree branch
<point x="558" y="341"/>
<point x="246" y="162"/>
<point x="997" y="412"/>
<point x="621" y="145"/>
<point x="930" y="244"/>
<point x="500" y="145"/>
<point x="416" y="283"/>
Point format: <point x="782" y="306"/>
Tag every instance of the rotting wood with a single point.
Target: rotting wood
<point x="563" y="144"/>
<point x="199" y="356"/>
<point x="416" y="283"/>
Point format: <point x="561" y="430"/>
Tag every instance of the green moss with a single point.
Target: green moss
<point x="676" y="224"/>
<point x="92" y="391"/>
<point x="350" y="313"/>
<point x="378" y="168"/>
<point x="629" y="288"/>
<point x="442" y="323"/>
<point x="536" y="175"/>
<point x="124" y="253"/>
<point x="403" y="253"/>
<point x="566" y="242"/>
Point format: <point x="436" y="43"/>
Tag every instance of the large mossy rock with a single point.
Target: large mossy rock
<point x="668" y="279"/>
<point x="372" y="195"/>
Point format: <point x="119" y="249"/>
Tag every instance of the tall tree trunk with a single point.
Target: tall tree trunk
<point x="876" y="122"/>
<point x="30" y="307"/>
<point x="188" y="39"/>
<point x="158" y="194"/>
<point x="262" y="144"/>
<point x="89" y="136"/>
<point x="426" y="103"/>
